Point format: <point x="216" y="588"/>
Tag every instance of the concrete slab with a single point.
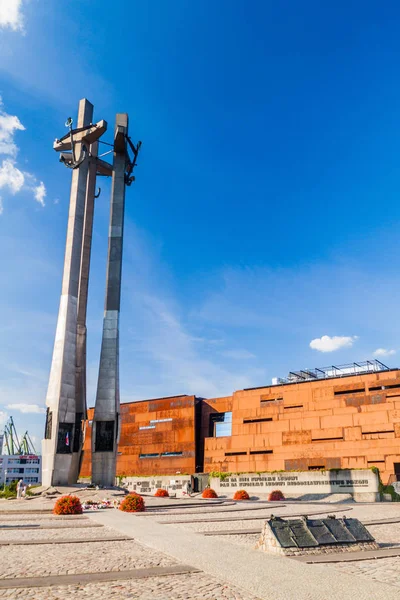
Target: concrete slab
<point x="63" y="541"/>
<point x="256" y="518"/>
<point x="349" y="557"/>
<point x="382" y="521"/>
<point x="34" y="511"/>
<point x="34" y="582"/>
<point x="207" y="510"/>
<point x="55" y="526"/>
<point x="233" y="531"/>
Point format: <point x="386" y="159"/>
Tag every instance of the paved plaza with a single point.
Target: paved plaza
<point x="185" y="550"/>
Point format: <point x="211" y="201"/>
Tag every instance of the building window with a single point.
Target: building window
<point x="165" y="454"/>
<point x="259" y="420"/>
<point x="235" y="453"/>
<point x="328" y="439"/>
<point x="78" y="431"/>
<point x="49" y="423"/>
<point x="220" y="424"/>
<point x="263" y="399"/>
<point x="104" y="436"/>
<point x="384" y="387"/>
<point x="149" y="455"/>
<point x="345" y="392"/>
<point x="64" y="441"/>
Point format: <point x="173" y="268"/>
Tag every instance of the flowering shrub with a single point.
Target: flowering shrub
<point x="241" y="495"/>
<point x="132" y="503"/>
<point x="276" y="496"/>
<point x="209" y="493"/>
<point x="162" y="493"/>
<point x="68" y="505"/>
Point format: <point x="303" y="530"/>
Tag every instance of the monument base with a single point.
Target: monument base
<point x="361" y="484"/>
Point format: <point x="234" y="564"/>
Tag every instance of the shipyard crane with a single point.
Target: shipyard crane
<point x="26" y="446"/>
<point x="12" y="443"/>
<point x="11" y="437"/>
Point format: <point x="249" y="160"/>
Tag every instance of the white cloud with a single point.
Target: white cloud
<point x="15" y="180"/>
<point x="9" y="124"/>
<point x="327" y="343"/>
<point x="40" y="193"/>
<point x="3" y="418"/>
<point x="27" y="408"/>
<point x="11" y="177"/>
<point x="384" y="352"/>
<point x="11" y="15"/>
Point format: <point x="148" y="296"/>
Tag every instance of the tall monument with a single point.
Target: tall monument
<point x="106" y="419"/>
<point x="66" y="400"/>
<point x="66" y="395"/>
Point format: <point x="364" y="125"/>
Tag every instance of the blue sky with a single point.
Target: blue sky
<point x="265" y="213"/>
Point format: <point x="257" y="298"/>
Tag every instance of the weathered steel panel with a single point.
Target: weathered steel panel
<point x="320" y="531"/>
<point x="339" y="530"/>
<point x="357" y="530"/>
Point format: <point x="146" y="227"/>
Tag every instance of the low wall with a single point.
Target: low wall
<point x="363" y="484"/>
<point x="176" y="485"/>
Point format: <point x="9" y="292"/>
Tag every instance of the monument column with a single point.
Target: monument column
<point x="66" y="393"/>
<point x="60" y="399"/>
<point x="81" y="333"/>
<point x="105" y="432"/>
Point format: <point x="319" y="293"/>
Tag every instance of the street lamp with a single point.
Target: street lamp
<point x="5" y="478"/>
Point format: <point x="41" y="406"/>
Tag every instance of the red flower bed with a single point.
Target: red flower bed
<point x="276" y="496"/>
<point x="162" y="493"/>
<point x="132" y="503"/>
<point x="209" y="493"/>
<point x="68" y="505"/>
<point x="241" y="495"/>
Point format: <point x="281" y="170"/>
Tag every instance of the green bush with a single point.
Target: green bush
<point x="13" y="486"/>
<point x="9" y="491"/>
<point x="386" y="489"/>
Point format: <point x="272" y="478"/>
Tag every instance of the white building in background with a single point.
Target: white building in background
<point x="21" y="466"/>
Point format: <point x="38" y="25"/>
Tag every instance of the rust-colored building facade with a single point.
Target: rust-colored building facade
<point x="350" y="422"/>
<point x="157" y="437"/>
<point x="339" y="420"/>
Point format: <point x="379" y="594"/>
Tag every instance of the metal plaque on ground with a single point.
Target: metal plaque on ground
<point x="303" y="536"/>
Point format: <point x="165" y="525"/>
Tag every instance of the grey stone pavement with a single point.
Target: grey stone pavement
<point x="196" y="586"/>
<point x="229" y="566"/>
<point x="266" y="577"/>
